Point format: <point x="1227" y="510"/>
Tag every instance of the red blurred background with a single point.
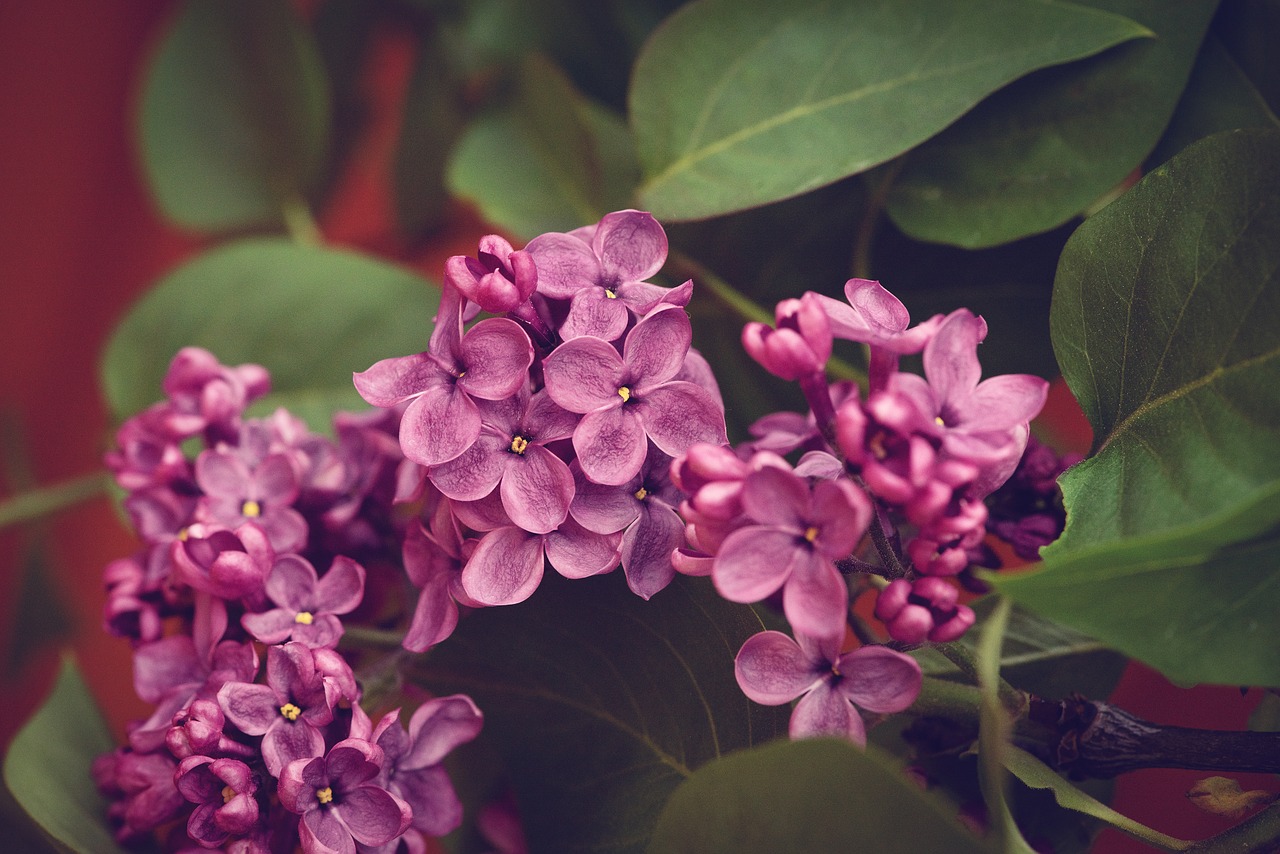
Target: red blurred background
<point x="80" y="239"/>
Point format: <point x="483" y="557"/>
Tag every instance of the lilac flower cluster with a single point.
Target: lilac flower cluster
<point x="237" y="755"/>
<point x="545" y="434"/>
<point x="914" y="455"/>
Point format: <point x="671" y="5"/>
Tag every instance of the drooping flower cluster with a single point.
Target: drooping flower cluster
<point x="261" y="542"/>
<point x="543" y="435"/>
<point x="915" y="457"/>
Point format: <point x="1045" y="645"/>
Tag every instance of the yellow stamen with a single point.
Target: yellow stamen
<point x="304" y="617"/>
<point x="641" y="494"/>
<point x="227" y="794"/>
<point x="609" y="294"/>
<point x="876" y="444"/>
<point x="251" y="508"/>
<point x="325" y="795"/>
<point x="519" y="444"/>
<point x="290" y="711"/>
<point x="624" y="393"/>
<point x="182" y="535"/>
<point x="811" y="533"/>
<point x="937" y="419"/>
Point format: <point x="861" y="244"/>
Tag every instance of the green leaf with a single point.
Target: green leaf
<point x="1046" y="658"/>
<point x="1034" y="773"/>
<point x="234" y="118"/>
<point x="805" y="796"/>
<point x="1218" y="97"/>
<point x="735" y="104"/>
<point x="551" y="161"/>
<point x="1163" y="322"/>
<point x="47" y="767"/>
<point x="1048" y="147"/>
<point x="602" y="703"/>
<point x="311" y="316"/>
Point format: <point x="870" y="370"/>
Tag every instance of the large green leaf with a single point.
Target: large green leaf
<point x="602" y="703"/>
<point x="1045" y="149"/>
<point x="47" y="767"/>
<point x="1164" y="324"/>
<point x="234" y="118"/>
<point x="551" y="161"/>
<point x="806" y="796"/>
<point x="311" y="316"/>
<point x="736" y="104"/>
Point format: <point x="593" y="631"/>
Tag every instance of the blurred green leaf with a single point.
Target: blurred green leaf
<point x="1046" y="658"/>
<point x="47" y="767"/>
<point x="234" y="117"/>
<point x="1218" y="97"/>
<point x="311" y="316"/>
<point x="551" y="161"/>
<point x="1046" y="148"/>
<point x="806" y="796"/>
<point x="602" y="703"/>
<point x="1163" y="321"/>
<point x="735" y="104"/>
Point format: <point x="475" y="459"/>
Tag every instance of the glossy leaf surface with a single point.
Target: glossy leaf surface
<point x="735" y="104"/>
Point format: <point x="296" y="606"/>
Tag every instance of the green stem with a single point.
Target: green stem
<point x="942" y="698"/>
<point x="371" y="637"/>
<point x="866" y="235"/>
<point x="48" y="499"/>
<point x="748" y="310"/>
<point x="299" y="222"/>
<point x="963" y="658"/>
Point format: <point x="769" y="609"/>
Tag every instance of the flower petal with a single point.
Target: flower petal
<point x="394" y="380"/>
<point x="565" y="264"/>
<point x="584" y="374"/>
<point x="495" y="356"/>
<point x="647" y="546"/>
<point x="610" y="444"/>
<point x="439" y="425"/>
<point x="816" y="599"/>
<point x="825" y="712"/>
<point x="679" y="414"/>
<point x="772" y="669"/>
<point x="505" y="568"/>
<point x="655" y="349"/>
<point x="374" y="816"/>
<point x="342" y="587"/>
<point x="951" y="358"/>
<point x="437" y="727"/>
<point x="594" y="313"/>
<point x="631" y="246"/>
<point x="754" y="561"/>
<point x="575" y="552"/>
<point x="475" y="472"/>
<point x="536" y="489"/>
<point x="879" y="679"/>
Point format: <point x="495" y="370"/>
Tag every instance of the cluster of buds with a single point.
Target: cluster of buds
<point x="915" y="457"/>
<point x="242" y="753"/>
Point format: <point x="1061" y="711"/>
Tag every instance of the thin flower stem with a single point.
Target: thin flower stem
<point x="688" y="267"/>
<point x="962" y="657"/>
<point x="865" y="238"/>
<point x="371" y="637"/>
<point x="41" y="501"/>
<point x="299" y="223"/>
<point x="888" y="555"/>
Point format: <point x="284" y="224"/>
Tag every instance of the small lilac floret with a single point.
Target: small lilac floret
<point x="240" y="489"/>
<point x="510" y="454"/>
<point x="600" y="271"/>
<point x="798" y="533"/>
<point x="498" y="279"/>
<point x="224" y="793"/>
<point x="799" y="346"/>
<point x="507" y="565"/>
<point x="877" y="318"/>
<point x="625" y="398"/>
<point x="773" y="669"/>
<point x="307" y="605"/>
<point x="205" y="395"/>
<point x="340" y="800"/>
<point x="489" y="362"/>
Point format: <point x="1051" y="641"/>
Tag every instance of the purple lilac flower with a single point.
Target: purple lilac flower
<point x="625" y="398"/>
<point x="229" y="565"/>
<point x="1027" y="511"/>
<point x="601" y="271"/>
<point x="799" y="346"/>
<point x="175" y="671"/>
<point x="643" y="509"/>
<point x="511" y="454"/>
<point x="207" y="396"/>
<point x="142" y="788"/>
<point x="307" y="606"/>
<point x="433" y="558"/>
<point x="498" y="279"/>
<point x="289" y="711"/>
<point x="773" y="669"/>
<point x="145" y="453"/>
<point x="983" y="422"/>
<point x="875" y="317"/>
<point x="490" y="362"/>
<point x="924" y="609"/>
<point x="797" y="534"/>
<point x="240" y="489"/>
<point x="340" y="803"/>
<point x="224" y="791"/>
<point x="412" y="768"/>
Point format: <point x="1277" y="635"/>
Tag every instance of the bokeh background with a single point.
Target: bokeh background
<point x="80" y="239"/>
